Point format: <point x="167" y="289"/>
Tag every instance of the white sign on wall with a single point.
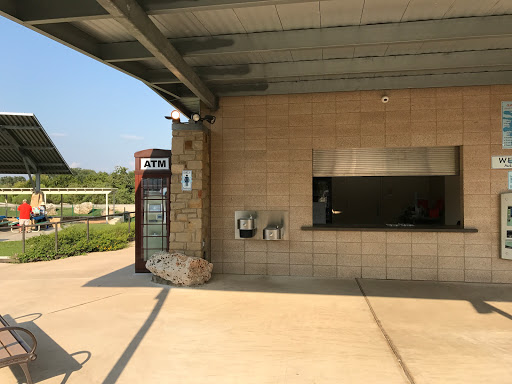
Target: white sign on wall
<point x="154" y="163"/>
<point x="186" y="181"/>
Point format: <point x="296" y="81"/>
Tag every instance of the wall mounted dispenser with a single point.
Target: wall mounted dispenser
<point x="246" y="227"/>
<point x="273" y="232"/>
<point x="261" y="225"/>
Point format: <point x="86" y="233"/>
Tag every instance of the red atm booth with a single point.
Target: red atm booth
<point x="152" y="204"/>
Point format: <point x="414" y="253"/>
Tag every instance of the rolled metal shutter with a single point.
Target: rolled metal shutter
<point x="422" y="161"/>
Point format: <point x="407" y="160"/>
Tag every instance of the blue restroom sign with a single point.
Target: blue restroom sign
<point x="186" y="181"/>
<point x="154" y="163"/>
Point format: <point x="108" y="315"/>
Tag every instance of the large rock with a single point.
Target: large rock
<point x="83" y="208"/>
<point x="51" y="209"/>
<point x="180" y="269"/>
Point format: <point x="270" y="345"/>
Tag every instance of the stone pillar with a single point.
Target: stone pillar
<point x="190" y="210"/>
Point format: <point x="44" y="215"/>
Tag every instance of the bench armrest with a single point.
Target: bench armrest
<point x="34" y="341"/>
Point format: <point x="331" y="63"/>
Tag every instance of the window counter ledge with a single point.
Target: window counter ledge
<point x="416" y="228"/>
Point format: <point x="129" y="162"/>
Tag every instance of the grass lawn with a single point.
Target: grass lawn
<point x="9" y="248"/>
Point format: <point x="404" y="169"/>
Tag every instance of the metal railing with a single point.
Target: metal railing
<point x="127" y="217"/>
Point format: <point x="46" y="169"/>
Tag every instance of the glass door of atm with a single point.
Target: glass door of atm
<point x="155" y="212"/>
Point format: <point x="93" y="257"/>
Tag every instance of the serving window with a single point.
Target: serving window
<point x="388" y="187"/>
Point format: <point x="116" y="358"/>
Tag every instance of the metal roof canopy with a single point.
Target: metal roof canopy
<point x="25" y="147"/>
<point x="196" y="50"/>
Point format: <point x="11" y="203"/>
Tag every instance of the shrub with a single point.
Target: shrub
<point x="73" y="241"/>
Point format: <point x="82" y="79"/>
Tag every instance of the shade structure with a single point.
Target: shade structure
<point x="194" y="51"/>
<point x="25" y="147"/>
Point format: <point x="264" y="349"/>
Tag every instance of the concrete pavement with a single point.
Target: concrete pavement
<point x="98" y="322"/>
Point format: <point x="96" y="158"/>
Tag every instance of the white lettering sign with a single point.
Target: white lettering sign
<point x="154" y="163"/>
<point x="501" y="162"/>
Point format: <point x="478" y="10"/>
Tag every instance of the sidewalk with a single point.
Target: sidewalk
<point x="98" y="322"/>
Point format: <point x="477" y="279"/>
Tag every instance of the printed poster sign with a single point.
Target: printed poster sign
<point x="509" y="180"/>
<point x="501" y="162"/>
<point x="506" y="119"/>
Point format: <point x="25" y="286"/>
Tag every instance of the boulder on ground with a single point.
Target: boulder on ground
<point x="51" y="209"/>
<point x="83" y="208"/>
<point x="180" y="269"/>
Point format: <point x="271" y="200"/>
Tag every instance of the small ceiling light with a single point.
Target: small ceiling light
<point x="175" y="116"/>
<point x="196" y="117"/>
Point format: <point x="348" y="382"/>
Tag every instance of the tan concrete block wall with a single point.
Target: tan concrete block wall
<point x="261" y="158"/>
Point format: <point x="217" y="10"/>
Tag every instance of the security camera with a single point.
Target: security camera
<point x="209" y="119"/>
<point x="385" y="99"/>
<point x="196" y="117"/>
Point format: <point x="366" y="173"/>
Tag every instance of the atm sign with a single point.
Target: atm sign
<point x="154" y="163"/>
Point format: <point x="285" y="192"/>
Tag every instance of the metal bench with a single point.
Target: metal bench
<point x="13" y="224"/>
<point x="14" y="350"/>
<point x="41" y="223"/>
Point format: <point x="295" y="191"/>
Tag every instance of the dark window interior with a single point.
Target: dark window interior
<point x="387" y="200"/>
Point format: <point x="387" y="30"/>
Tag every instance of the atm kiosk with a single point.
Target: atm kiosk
<point x="152" y="204"/>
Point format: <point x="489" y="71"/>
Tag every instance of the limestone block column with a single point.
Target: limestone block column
<point x="190" y="210"/>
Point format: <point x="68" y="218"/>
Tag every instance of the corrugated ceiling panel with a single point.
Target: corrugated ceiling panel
<point x="104" y="30"/>
<point x="403" y="49"/>
<point x="368" y="51"/>
<point x="502" y="7"/>
<point x="221" y="22"/>
<point x="259" y="19"/>
<point x="180" y="25"/>
<point x="276" y="56"/>
<point x="338" y="53"/>
<point x="378" y="11"/>
<point x="386" y="162"/>
<point x="152" y="64"/>
<point x="465" y="8"/>
<point x="310" y="54"/>
<point x="426" y="9"/>
<point x="299" y="16"/>
<point x="467" y="45"/>
<point x="339" y="13"/>
<point x="239" y="58"/>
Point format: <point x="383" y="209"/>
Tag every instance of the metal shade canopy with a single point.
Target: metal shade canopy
<point x="193" y="51"/>
<point x="25" y="147"/>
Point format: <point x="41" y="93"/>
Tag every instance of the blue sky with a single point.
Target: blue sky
<point x="96" y="116"/>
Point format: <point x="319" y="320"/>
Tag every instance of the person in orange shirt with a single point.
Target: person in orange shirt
<point x="25" y="210"/>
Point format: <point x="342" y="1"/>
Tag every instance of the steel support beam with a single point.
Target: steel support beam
<point x="492" y="59"/>
<point x="368" y="83"/>
<point x="64" y="11"/>
<point x="29" y="148"/>
<point x="27" y="159"/>
<point x="15" y="163"/>
<point x="361" y="82"/>
<point x="336" y="37"/>
<point x="129" y="14"/>
<point x="38" y="182"/>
